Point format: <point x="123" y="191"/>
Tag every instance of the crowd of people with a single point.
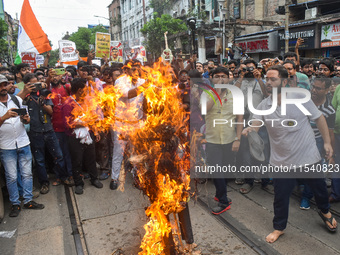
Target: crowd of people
<point x="37" y="122"/>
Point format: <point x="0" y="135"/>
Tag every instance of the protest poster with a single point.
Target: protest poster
<point x="116" y="52"/>
<point x="67" y="51"/>
<point x="29" y="58"/>
<point x="103" y="45"/>
<point x="40" y="60"/>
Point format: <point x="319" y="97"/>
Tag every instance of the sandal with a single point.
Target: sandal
<point x="57" y="182"/>
<point x="246" y="188"/>
<point x="239" y="181"/>
<point x="329" y="220"/>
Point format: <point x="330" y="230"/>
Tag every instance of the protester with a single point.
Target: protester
<point x="223" y="141"/>
<point x="80" y="139"/>
<point x="289" y="148"/>
<point x="15" y="153"/>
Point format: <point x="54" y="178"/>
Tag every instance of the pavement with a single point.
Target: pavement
<point x="111" y="222"/>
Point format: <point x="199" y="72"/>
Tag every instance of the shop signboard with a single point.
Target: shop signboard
<point x="330" y="35"/>
<point x="306" y="33"/>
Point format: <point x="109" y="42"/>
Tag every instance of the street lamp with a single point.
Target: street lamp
<point x="223" y="11"/>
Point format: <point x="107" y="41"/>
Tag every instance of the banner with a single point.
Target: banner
<point x="29" y="58"/>
<point x="139" y="53"/>
<point x="67" y="51"/>
<point x="40" y="60"/>
<point x="103" y="45"/>
<point x="116" y="52"/>
<point x="330" y="35"/>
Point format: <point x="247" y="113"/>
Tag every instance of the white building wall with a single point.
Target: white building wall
<point x="132" y="19"/>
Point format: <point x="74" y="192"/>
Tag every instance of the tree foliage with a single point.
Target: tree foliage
<point x="84" y="37"/>
<point x="7" y="49"/>
<point x="154" y="31"/>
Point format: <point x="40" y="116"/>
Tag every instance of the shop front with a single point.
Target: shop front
<point x="259" y="45"/>
<point x="308" y="49"/>
<point x="330" y="40"/>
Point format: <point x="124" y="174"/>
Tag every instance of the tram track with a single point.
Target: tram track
<point x="253" y="245"/>
<point x="77" y="229"/>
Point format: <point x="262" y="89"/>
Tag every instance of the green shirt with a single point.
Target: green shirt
<point x="336" y="105"/>
<point x="20" y="85"/>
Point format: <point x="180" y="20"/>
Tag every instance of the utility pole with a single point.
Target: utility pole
<point x="287" y="26"/>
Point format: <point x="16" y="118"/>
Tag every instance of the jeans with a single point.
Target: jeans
<point x="307" y="192"/>
<point x="83" y="156"/>
<point x="335" y="192"/>
<point x="11" y="160"/>
<point x="38" y="143"/>
<point x="283" y="189"/>
<point x="63" y="142"/>
<point x="221" y="155"/>
<point x="117" y="155"/>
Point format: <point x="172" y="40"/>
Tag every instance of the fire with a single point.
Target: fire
<point x="159" y="146"/>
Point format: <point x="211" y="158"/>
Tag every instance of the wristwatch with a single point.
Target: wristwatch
<point x="236" y="139"/>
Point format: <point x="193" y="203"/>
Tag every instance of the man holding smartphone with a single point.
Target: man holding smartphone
<point x="15" y="150"/>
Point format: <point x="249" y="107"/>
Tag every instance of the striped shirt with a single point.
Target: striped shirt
<point x="329" y="113"/>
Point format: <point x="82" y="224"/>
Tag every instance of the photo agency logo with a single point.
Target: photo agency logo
<point x="239" y="104"/>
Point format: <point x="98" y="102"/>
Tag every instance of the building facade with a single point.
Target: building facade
<point x="115" y="20"/>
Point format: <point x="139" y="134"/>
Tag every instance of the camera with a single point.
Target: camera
<point x="38" y="86"/>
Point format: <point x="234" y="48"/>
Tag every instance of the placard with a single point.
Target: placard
<point x="103" y="44"/>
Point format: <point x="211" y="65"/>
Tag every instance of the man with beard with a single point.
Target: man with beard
<point x="293" y="146"/>
<point x="307" y="68"/>
<point x="250" y="79"/>
<point x="60" y="92"/>
<point x="11" y="89"/>
<point x="15" y="153"/>
<point x="19" y="73"/>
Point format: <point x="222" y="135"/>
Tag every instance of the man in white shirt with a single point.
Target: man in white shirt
<point x="15" y="150"/>
<point x="129" y="113"/>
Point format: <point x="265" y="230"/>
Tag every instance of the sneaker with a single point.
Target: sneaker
<point x="220" y="209"/>
<point x="304" y="204"/>
<point x="113" y="184"/>
<point x="229" y="200"/>
<point x="15" y="210"/>
<point x="79" y="190"/>
<point x="104" y="176"/>
<point x="33" y="205"/>
<point x="97" y="184"/>
<point x="44" y="189"/>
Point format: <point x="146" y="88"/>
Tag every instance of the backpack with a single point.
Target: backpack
<point x="15" y="100"/>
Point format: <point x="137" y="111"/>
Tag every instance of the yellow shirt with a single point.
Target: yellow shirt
<point x="221" y="133"/>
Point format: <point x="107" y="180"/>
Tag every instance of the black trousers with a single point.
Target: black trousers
<point x="283" y="189"/>
<point x="220" y="155"/>
<point x="82" y="156"/>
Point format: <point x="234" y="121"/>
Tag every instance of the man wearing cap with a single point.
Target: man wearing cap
<point x="293" y="146"/>
<point x="15" y="150"/>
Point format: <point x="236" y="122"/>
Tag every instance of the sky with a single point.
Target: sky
<point x="58" y="16"/>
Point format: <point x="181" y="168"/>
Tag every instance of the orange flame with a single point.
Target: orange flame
<point x="161" y="137"/>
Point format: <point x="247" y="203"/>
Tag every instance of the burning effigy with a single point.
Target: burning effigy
<point x="158" y="151"/>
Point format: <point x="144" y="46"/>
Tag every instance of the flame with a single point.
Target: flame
<point x="161" y="139"/>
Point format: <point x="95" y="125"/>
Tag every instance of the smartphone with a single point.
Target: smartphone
<point x="20" y="111"/>
<point x="38" y="86"/>
<point x="60" y="71"/>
